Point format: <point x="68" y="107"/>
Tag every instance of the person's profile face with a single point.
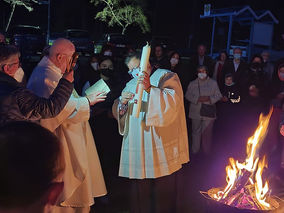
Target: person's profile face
<point x="11" y="65"/>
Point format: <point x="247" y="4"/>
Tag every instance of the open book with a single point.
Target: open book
<point x="99" y="86"/>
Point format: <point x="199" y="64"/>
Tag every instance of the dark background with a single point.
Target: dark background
<point x="177" y="19"/>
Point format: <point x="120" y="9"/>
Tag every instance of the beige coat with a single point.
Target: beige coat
<point x="209" y="88"/>
<point x="156" y="143"/>
<point x="83" y="178"/>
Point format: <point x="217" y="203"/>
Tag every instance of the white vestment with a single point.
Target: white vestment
<point x="83" y="178"/>
<point x="156" y="143"/>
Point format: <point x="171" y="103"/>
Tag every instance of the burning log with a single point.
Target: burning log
<point x="245" y="188"/>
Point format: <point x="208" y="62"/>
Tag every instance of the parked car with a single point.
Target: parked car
<point x="29" y="39"/>
<point x="80" y="38"/>
<point x="118" y="42"/>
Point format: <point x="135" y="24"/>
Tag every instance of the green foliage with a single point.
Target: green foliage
<point x="122" y="13"/>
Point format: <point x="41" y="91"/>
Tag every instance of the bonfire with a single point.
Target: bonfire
<point x="246" y="188"/>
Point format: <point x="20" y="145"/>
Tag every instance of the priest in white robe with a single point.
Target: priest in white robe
<point x="155" y="145"/>
<point x="83" y="178"/>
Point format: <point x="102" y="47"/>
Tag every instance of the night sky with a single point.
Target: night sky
<point x="176" y="19"/>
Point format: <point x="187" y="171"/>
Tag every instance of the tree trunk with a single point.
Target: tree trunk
<point x="10" y="17"/>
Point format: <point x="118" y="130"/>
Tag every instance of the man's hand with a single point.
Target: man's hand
<point x="204" y="99"/>
<point x="126" y="96"/>
<point x="69" y="76"/>
<point x="145" y="80"/>
<point x="96" y="98"/>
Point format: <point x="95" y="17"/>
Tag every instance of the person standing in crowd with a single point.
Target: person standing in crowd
<point x="202" y="92"/>
<point x="218" y="69"/>
<point x="31" y="162"/>
<point x="237" y="68"/>
<point x="19" y="103"/>
<point x="83" y="178"/>
<point x="268" y="67"/>
<point x="87" y="72"/>
<point x="201" y="59"/>
<point x="256" y="83"/>
<point x="155" y="145"/>
<point x="160" y="60"/>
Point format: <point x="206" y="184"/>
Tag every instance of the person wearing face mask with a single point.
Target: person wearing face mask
<point x="19" y="103"/>
<point x="218" y="69"/>
<point x="83" y="178"/>
<point x="155" y="145"/>
<point x="257" y="81"/>
<point x="268" y="67"/>
<point x="237" y="67"/>
<point x="87" y="71"/>
<point x="202" y="90"/>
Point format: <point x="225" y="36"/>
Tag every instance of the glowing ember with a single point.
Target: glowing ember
<point x="245" y="188"/>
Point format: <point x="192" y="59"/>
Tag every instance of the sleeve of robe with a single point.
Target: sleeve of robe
<point x="76" y="110"/>
<point x="164" y="101"/>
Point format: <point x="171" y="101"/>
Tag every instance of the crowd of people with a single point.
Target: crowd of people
<point x="97" y="137"/>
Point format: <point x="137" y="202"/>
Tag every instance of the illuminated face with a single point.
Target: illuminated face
<point x="202" y="70"/>
<point x="11" y="65"/>
<point x="201" y="50"/>
<point x="228" y="81"/>
<point x="237" y="51"/>
<point x="106" y="64"/>
<point x="133" y="63"/>
<point x="257" y="60"/>
<point x="176" y="56"/>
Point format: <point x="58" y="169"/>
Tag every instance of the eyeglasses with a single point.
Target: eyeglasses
<point x="16" y="63"/>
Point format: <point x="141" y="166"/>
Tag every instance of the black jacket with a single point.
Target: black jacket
<point x="19" y="103"/>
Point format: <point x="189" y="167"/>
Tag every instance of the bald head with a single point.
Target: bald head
<point x="60" y="53"/>
<point x="62" y="46"/>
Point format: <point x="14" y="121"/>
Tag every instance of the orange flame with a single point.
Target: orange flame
<point x="235" y="169"/>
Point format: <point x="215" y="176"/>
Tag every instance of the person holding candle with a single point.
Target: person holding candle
<point x="155" y="145"/>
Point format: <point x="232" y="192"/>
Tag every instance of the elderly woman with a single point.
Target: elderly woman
<point x="202" y="93"/>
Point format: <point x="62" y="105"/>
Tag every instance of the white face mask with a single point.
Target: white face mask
<point x="174" y="61"/>
<point x="202" y="75"/>
<point x="19" y="75"/>
<point x="95" y="65"/>
<point x="134" y="72"/>
<point x="107" y="53"/>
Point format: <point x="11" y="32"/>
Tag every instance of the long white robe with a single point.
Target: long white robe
<point x="156" y="143"/>
<point x="83" y="178"/>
